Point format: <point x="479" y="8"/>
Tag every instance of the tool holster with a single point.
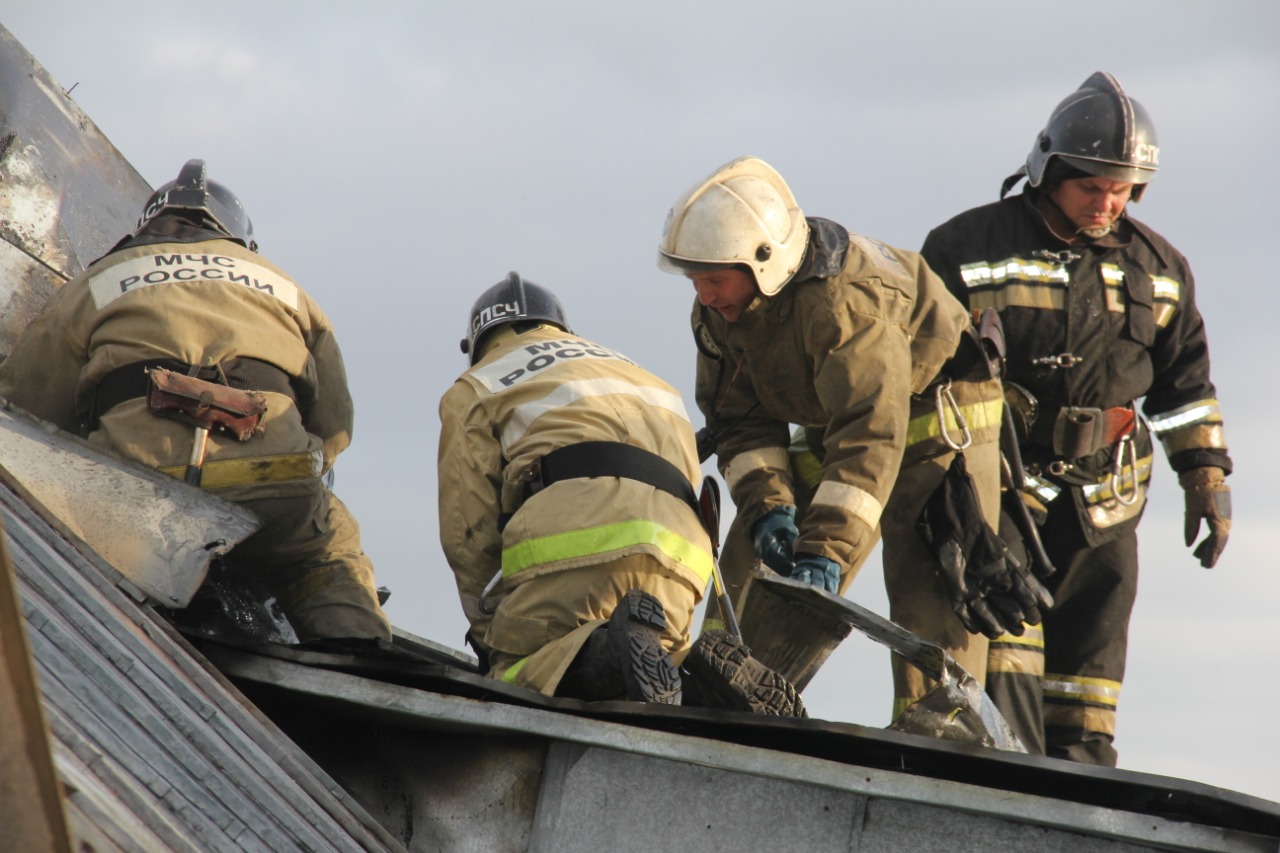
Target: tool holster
<point x="219" y="408"/>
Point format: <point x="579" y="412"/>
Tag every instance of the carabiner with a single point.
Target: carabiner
<point x="1117" y="471"/>
<point x="488" y="590"/>
<point x="966" y="438"/>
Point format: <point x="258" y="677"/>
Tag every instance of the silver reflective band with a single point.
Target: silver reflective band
<point x="1040" y="487"/>
<point x="775" y="458"/>
<point x="1201" y="411"/>
<point x="858" y="502"/>
<point x="1092" y="687"/>
<point x="571" y="392"/>
<point x="976" y="275"/>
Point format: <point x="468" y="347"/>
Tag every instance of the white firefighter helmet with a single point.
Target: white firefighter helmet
<point x="743" y="214"/>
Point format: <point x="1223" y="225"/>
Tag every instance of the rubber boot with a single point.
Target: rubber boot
<point x="721" y="673"/>
<point x="624" y="658"/>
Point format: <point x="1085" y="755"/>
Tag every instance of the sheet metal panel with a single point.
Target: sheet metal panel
<point x="69" y="195"/>
<point x="151" y="742"/>
<point x="364" y="705"/>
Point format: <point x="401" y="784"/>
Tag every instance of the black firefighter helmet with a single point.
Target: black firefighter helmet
<point x="205" y="202"/>
<point x="512" y="300"/>
<point x="1097" y="130"/>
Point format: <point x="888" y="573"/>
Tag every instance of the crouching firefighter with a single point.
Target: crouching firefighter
<point x="184" y="349"/>
<point x="799" y="321"/>
<point x="569" y="516"/>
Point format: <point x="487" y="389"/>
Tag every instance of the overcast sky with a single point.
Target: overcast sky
<point x="398" y="158"/>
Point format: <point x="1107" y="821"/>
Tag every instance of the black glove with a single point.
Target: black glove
<point x="991" y="591"/>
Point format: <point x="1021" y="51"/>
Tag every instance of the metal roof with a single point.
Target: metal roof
<point x="162" y="742"/>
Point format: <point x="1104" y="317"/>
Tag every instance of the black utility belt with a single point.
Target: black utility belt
<point x="612" y="459"/>
<point x="1074" y="432"/>
<point x="130" y="381"/>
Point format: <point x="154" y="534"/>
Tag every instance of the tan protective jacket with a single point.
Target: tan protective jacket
<point x="840" y="351"/>
<point x="529" y="395"/>
<point x="199" y="303"/>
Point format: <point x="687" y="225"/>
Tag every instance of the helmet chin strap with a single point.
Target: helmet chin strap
<point x="1097" y="233"/>
<point x="1089" y="233"/>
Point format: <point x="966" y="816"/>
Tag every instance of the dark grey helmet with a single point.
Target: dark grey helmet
<point x="512" y="300"/>
<point x="210" y="201"/>
<point x="1098" y="130"/>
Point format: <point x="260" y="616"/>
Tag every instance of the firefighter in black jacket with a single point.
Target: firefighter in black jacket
<point x="1099" y="312"/>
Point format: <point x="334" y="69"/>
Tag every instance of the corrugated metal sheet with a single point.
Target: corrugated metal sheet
<point x="156" y="750"/>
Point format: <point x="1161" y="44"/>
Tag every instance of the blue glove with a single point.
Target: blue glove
<point x="817" y="571"/>
<point x="774" y="535"/>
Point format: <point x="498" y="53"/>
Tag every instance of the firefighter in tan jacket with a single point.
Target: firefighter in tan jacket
<point x="800" y="322"/>
<point x="569" y="517"/>
<point x="188" y="292"/>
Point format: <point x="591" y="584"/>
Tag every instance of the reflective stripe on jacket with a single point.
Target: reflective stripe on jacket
<point x="840" y="349"/>
<point x="531" y="394"/>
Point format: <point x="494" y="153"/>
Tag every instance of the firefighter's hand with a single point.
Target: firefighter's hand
<point x="817" y="571"/>
<point x="1208" y="499"/>
<point x="774" y="536"/>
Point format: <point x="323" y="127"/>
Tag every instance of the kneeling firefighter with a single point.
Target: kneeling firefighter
<point x="184" y="349"/>
<point x="569" y="516"/>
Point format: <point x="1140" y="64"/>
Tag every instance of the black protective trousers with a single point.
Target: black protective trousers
<point x="1058" y="686"/>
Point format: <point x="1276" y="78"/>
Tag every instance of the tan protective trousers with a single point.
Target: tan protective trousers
<point x="308" y="554"/>
<point x="542" y="623"/>
<point x="918" y="599"/>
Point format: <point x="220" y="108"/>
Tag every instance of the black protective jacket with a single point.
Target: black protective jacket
<point x="1099" y="324"/>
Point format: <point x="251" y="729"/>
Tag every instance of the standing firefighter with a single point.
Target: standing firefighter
<point x="799" y="321"/>
<point x="1098" y="311"/>
<point x="569" y="517"/>
<point x="184" y="309"/>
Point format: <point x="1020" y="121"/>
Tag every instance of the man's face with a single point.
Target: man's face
<point x="1092" y="204"/>
<point x="728" y="291"/>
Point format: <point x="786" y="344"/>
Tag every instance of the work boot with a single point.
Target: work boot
<point x="624" y="658"/>
<point x="721" y="673"/>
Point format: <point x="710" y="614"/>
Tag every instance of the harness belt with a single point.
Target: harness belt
<point x="130" y="381"/>
<point x="613" y="459"/>
<point x="1078" y="431"/>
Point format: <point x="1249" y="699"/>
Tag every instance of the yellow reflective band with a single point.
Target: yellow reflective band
<point x="857" y="502"/>
<point x="1100" y="691"/>
<point x="253" y="470"/>
<point x="1033" y="638"/>
<point x="602" y="540"/>
<point x="806" y="468"/>
<point x="1102" y="492"/>
<point x="750" y="461"/>
<point x="980" y="415"/>
<point x="1198" y="437"/>
<point x="1017" y="282"/>
<point x="512" y="671"/>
